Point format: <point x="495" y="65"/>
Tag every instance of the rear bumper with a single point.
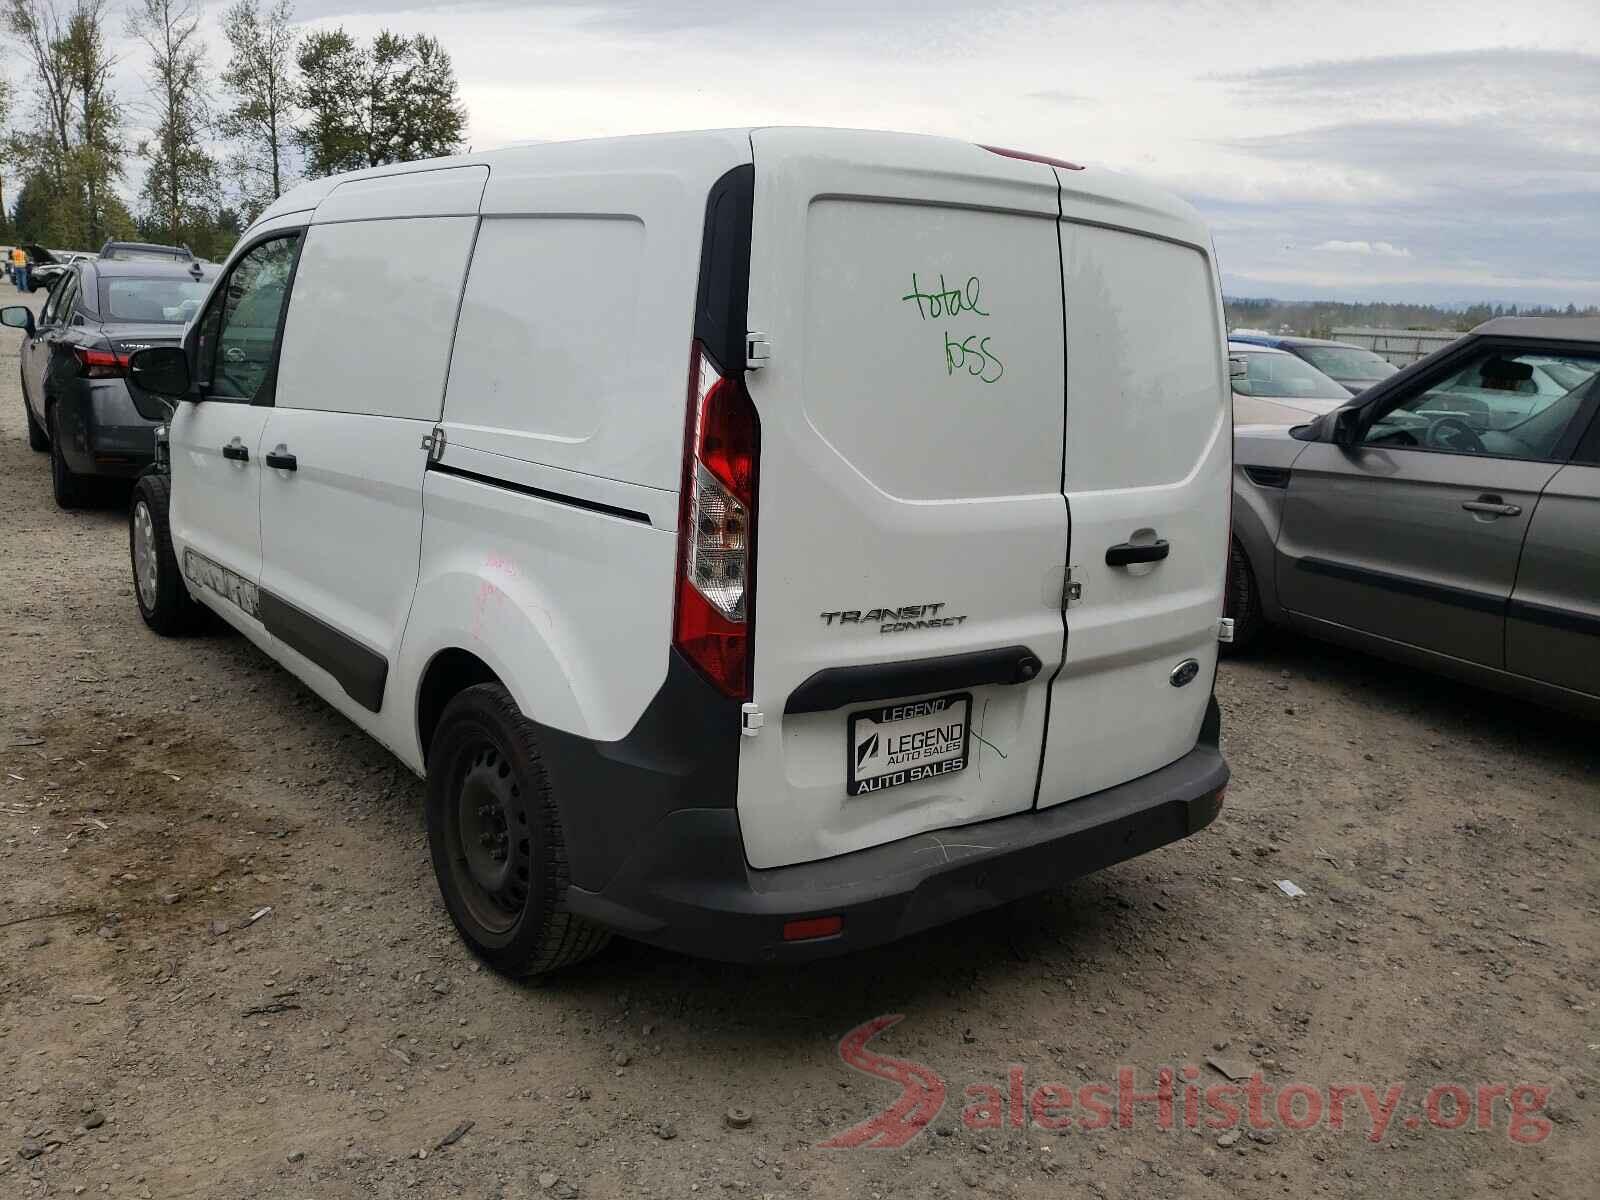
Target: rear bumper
<point x="103" y="433"/>
<point x="689" y="888"/>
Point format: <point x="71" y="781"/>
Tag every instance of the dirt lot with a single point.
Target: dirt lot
<point x="154" y="1041"/>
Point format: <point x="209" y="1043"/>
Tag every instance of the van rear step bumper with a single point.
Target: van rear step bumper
<point x="690" y="889"/>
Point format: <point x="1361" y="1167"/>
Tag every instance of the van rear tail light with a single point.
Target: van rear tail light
<point x="100" y="364"/>
<point x="717" y="515"/>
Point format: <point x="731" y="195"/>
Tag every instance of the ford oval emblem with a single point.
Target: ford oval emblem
<point x="1184" y="672"/>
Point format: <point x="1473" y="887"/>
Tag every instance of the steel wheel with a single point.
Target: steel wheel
<point x="146" y="563"/>
<point x="490" y="844"/>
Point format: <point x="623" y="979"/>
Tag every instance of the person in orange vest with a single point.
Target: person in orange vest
<point x="19" y="268"/>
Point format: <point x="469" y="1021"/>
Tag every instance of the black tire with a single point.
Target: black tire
<point x="166" y="606"/>
<point x="71" y="489"/>
<point x="496" y="841"/>
<point x="38" y="439"/>
<point x="1242" y="602"/>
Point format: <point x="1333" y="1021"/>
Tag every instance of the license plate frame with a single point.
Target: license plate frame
<point x="869" y="747"/>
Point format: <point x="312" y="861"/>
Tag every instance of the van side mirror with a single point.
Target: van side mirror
<point x="159" y="376"/>
<point x="1347" y="428"/>
<point x="18" y="316"/>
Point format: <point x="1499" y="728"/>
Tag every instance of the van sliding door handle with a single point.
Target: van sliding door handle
<point x="279" y="459"/>
<point x="237" y="451"/>
<point x="1127" y="553"/>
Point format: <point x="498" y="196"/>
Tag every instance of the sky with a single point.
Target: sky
<point x="1343" y="149"/>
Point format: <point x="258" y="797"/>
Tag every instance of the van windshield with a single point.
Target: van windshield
<point x="161" y="300"/>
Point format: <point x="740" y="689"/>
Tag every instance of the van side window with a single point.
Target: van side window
<point x="239" y="334"/>
<point x="372" y="316"/>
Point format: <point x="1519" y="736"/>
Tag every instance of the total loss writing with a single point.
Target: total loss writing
<point x="971" y="354"/>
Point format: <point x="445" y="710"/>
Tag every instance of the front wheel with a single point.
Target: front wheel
<point x="38" y="439"/>
<point x="164" y="600"/>
<point x="70" y="489"/>
<point x="496" y="840"/>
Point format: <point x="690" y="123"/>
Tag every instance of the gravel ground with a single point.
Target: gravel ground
<point x="225" y="970"/>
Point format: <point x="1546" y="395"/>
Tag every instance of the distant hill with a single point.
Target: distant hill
<point x="1318" y="318"/>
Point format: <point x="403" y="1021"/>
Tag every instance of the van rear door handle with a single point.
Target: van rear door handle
<point x="1126" y="553"/>
<point x="237" y="451"/>
<point x="279" y="459"/>
<point x="1493" y="506"/>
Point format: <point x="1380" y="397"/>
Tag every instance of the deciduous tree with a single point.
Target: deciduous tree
<point x="180" y="194"/>
<point x="261" y="116"/>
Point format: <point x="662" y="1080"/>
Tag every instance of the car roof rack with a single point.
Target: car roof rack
<point x="114" y="249"/>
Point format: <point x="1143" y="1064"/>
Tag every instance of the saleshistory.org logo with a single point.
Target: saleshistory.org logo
<point x="1250" y="1104"/>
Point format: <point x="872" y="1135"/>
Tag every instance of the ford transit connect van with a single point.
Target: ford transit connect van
<point x="766" y="543"/>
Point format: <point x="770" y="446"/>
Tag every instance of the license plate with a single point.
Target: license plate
<point x="905" y="743"/>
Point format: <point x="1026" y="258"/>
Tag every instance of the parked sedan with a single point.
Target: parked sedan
<point x="1449" y="518"/>
<point x="1354" y="368"/>
<point x="75" y="362"/>
<point x="1273" y="387"/>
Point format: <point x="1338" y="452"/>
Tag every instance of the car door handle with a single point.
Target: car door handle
<point x="279" y="459"/>
<point x="1126" y="553"/>
<point x="237" y="451"/>
<point x="1493" y="506"/>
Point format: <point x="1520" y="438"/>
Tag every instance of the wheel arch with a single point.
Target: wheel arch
<point x="448" y="673"/>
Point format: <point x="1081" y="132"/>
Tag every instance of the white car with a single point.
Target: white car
<point x="1274" y="387"/>
<point x="766" y="543"/>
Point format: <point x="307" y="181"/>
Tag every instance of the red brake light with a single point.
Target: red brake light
<point x="716" y="527"/>
<point x="1026" y="157"/>
<point x="100" y="364"/>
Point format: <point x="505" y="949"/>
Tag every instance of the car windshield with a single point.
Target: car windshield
<point x="1347" y="362"/>
<point x="169" y="300"/>
<point x="1272" y="373"/>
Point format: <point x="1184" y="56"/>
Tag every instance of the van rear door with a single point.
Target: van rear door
<point x="1148" y="456"/>
<point x="910" y="527"/>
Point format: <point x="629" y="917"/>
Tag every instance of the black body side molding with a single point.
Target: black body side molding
<point x="523" y="489"/>
<point x="1404" y="585"/>
<point x="361" y="672"/>
<point x="838" y="686"/>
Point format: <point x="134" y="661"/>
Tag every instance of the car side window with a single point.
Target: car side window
<point x="1501" y="402"/>
<point x="70" y="310"/>
<point x="239" y="333"/>
<point x="49" y="314"/>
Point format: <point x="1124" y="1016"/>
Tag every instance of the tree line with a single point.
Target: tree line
<point x="224" y="140"/>
<point x="1319" y="318"/>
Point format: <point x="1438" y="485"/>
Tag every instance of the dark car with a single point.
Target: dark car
<point x="75" y="363"/>
<point x="1449" y="518"/>
<point x="1355" y="368"/>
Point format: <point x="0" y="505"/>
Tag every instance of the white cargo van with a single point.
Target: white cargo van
<point x="766" y="543"/>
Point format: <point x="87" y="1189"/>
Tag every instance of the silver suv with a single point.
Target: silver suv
<point x="1448" y="518"/>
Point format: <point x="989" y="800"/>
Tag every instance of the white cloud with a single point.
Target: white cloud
<point x="1377" y="249"/>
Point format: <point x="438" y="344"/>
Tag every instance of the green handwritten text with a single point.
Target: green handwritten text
<point x="947" y="301"/>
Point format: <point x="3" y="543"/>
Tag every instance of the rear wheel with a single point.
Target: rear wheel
<point x="1242" y="602"/>
<point x="71" y="489"/>
<point x="164" y="600"/>
<point x="496" y="840"/>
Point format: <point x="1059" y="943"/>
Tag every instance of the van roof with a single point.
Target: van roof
<point x="1093" y="193"/>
